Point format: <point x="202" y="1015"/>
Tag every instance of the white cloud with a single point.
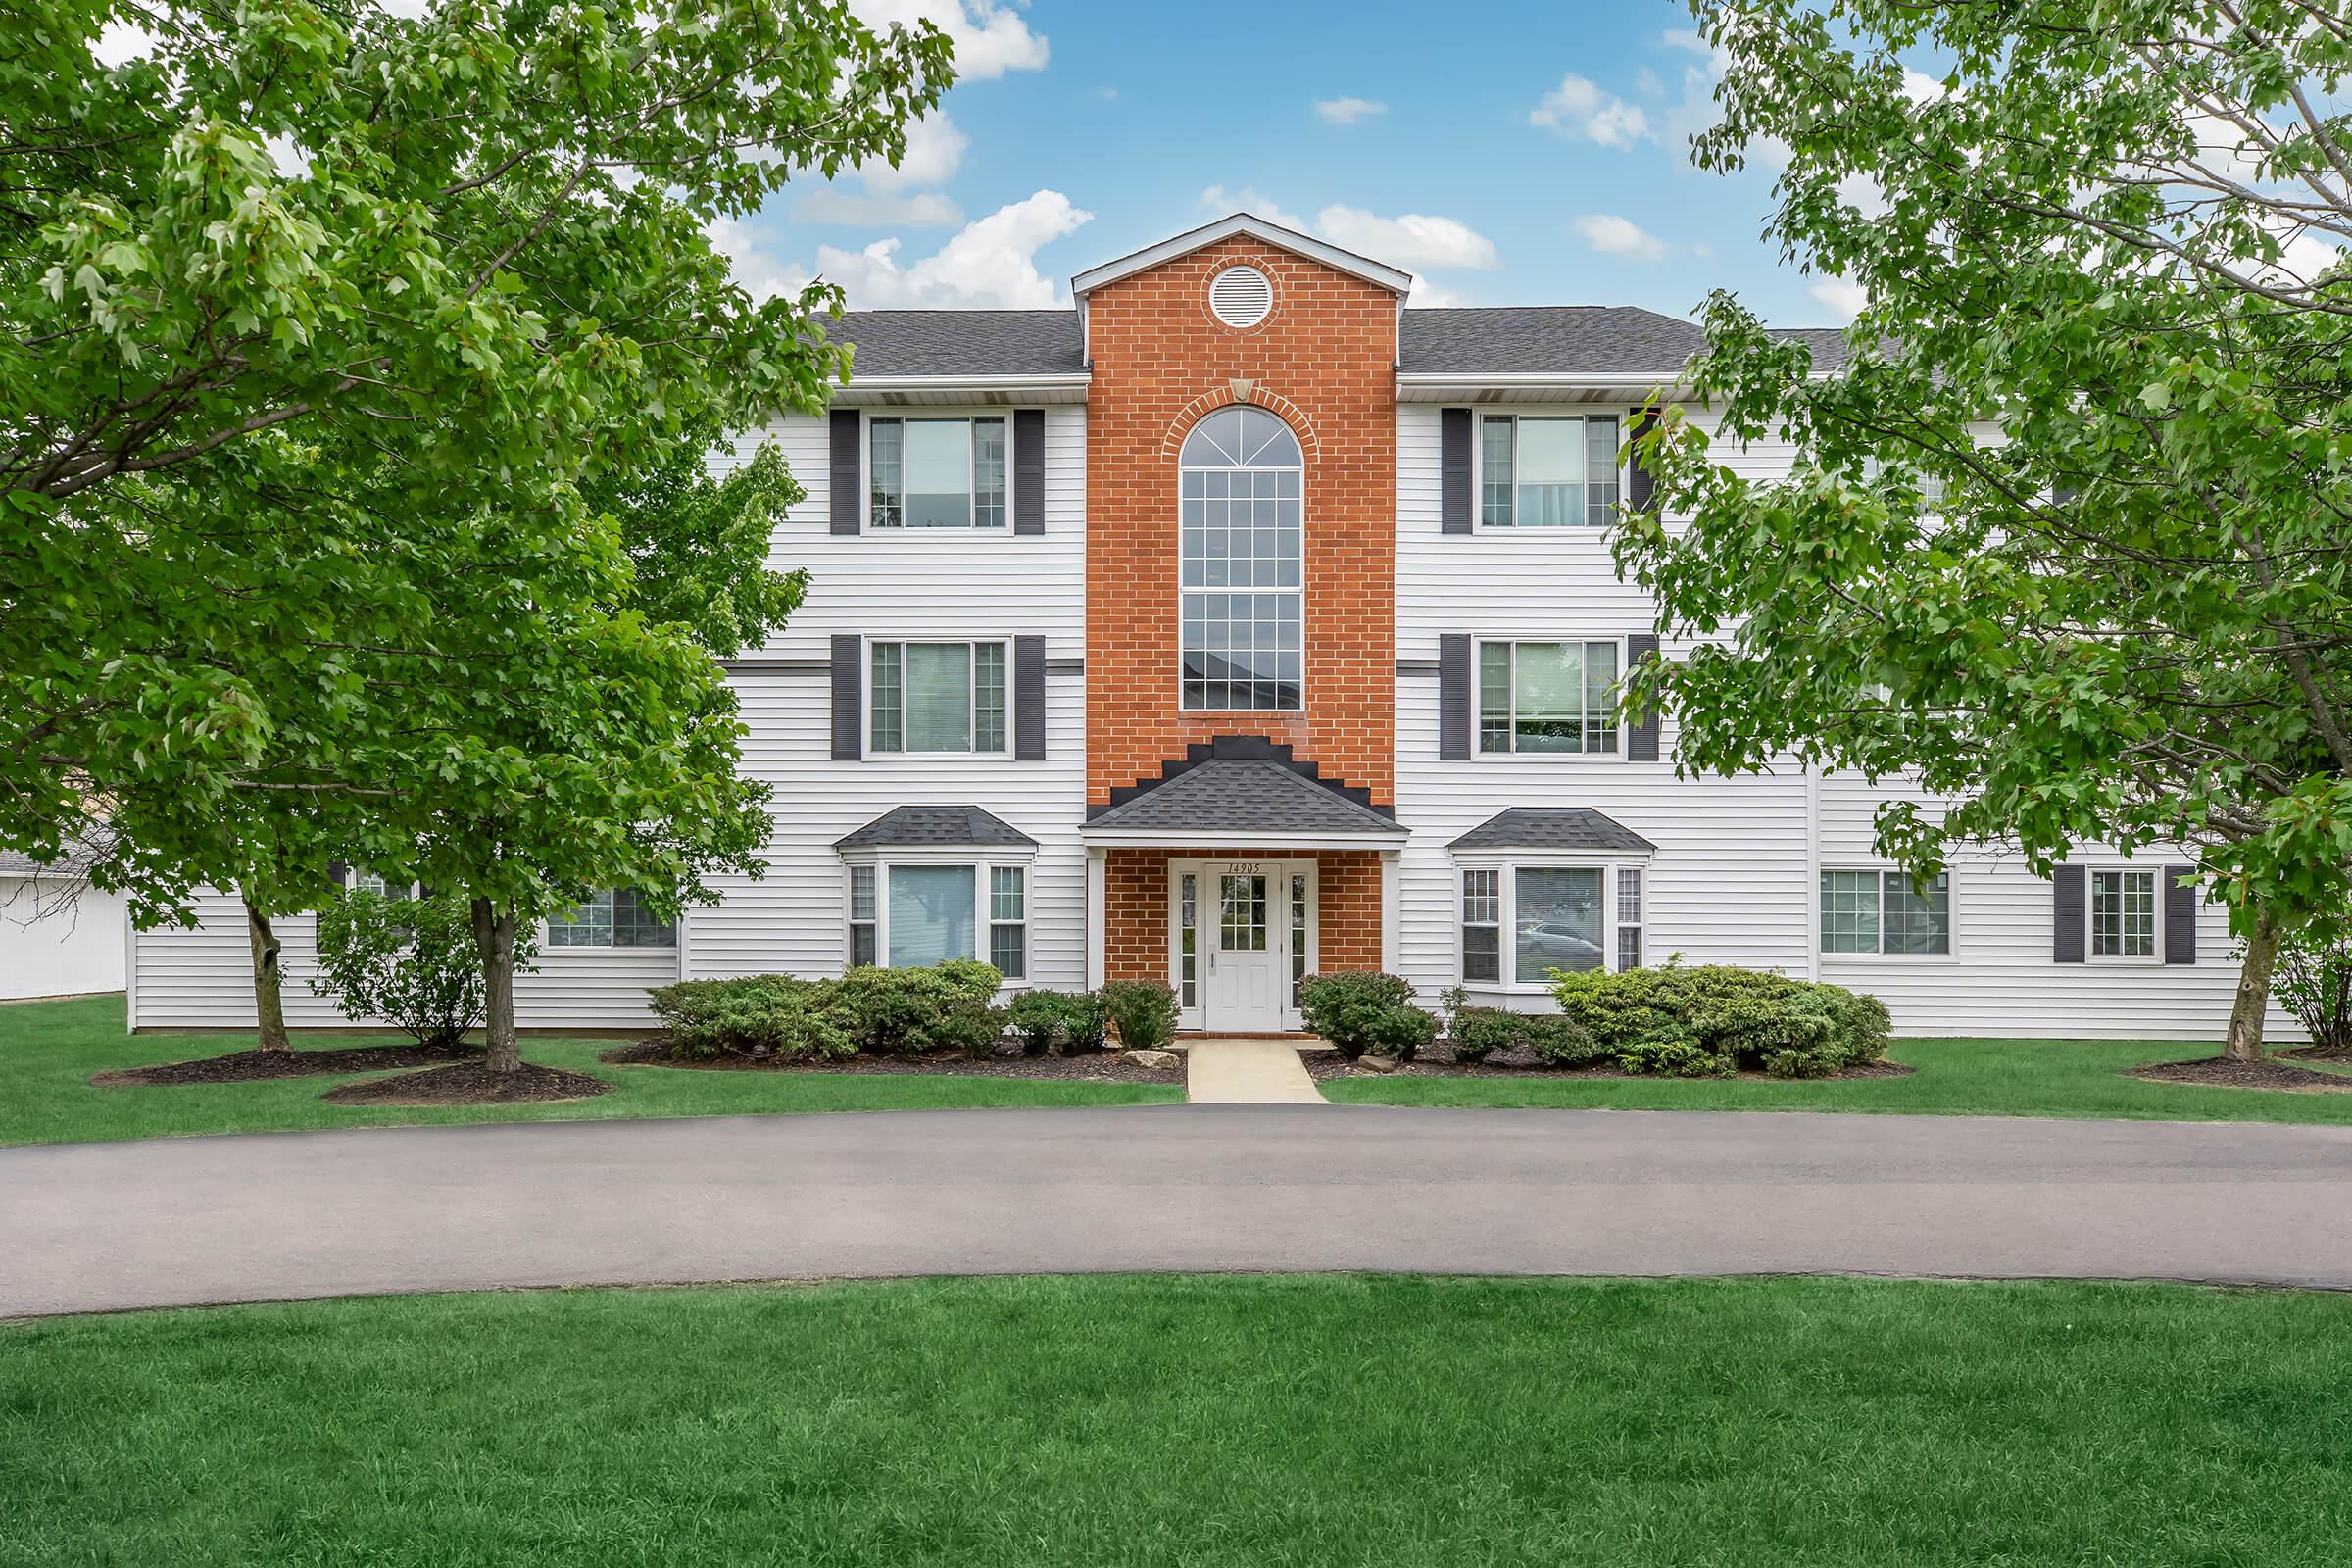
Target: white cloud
<point x="935" y="150"/>
<point x="990" y="39"/>
<point x="1408" y="241"/>
<point x="922" y="208"/>
<point x="1612" y="235"/>
<point x="1348" y="111"/>
<point x="762" y="275"/>
<point x="1919" y="87"/>
<point x="1580" y="110"/>
<point x="1249" y="199"/>
<point x="1428" y="296"/>
<point x="990" y="262"/>
<point x="1842" y="299"/>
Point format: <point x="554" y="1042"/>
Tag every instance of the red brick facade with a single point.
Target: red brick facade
<point x="1325" y="362"/>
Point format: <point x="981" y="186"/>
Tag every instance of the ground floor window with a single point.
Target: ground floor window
<point x="2123" y="914"/>
<point x="611" y="917"/>
<point x="1884" y="912"/>
<point x="1562" y="917"/>
<point x="913" y="914"/>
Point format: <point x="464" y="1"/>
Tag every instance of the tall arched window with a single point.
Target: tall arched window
<point x="1240" y="475"/>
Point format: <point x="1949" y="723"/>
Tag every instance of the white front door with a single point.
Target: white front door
<point x="1248" y="950"/>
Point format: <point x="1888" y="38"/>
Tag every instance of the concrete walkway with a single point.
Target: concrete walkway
<point x="1247" y="1072"/>
<point x="187" y="1220"/>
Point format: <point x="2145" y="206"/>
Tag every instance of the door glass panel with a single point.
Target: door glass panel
<point x="1297" y="937"/>
<point x="1242" y="913"/>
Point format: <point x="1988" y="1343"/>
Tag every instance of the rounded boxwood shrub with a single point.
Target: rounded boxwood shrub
<point x="1713" y="1018"/>
<point x="911" y="1010"/>
<point x="761" y="1017"/>
<point x="1144" y="1012"/>
<point x="1478" y="1033"/>
<point x="1365" y="1011"/>
<point x="1057" y="1023"/>
<point x="1559" y="1041"/>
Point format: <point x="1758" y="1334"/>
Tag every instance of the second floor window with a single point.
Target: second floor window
<point x="1547" y="697"/>
<point x="937" y="474"/>
<point x="938" y="697"/>
<point x="1242" y="556"/>
<point x="1548" y="472"/>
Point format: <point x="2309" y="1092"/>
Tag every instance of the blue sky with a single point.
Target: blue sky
<point x="1534" y="155"/>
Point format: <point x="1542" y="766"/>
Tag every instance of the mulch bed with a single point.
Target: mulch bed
<point x="1437" y="1062"/>
<point x="256" y="1066"/>
<point x="1103" y="1068"/>
<point x="2219" y="1072"/>
<point x="469" y="1083"/>
<point x="2319" y="1052"/>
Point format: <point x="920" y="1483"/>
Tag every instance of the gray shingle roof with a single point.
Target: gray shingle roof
<point x="937" y="827"/>
<point x="1248" y="797"/>
<point x="894" y="343"/>
<point x="1538" y="339"/>
<point x="1548" y="827"/>
<point x="1503" y="340"/>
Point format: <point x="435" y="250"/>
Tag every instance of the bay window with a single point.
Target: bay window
<point x="1547" y="697"/>
<point x="1882" y="912"/>
<point x="938" y="697"/>
<point x="1569" y="918"/>
<point x="936" y="473"/>
<point x="1548" y="472"/>
<point x="913" y="911"/>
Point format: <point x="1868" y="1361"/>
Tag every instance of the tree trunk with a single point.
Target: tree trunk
<point x="269" y="1001"/>
<point x="494" y="936"/>
<point x="2245" y="1040"/>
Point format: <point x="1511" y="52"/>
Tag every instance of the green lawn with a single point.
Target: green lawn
<point x="1955" y="1078"/>
<point x="50" y="1049"/>
<point x="1238" y="1420"/>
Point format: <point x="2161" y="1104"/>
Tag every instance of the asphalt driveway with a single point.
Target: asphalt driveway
<point x="180" y="1221"/>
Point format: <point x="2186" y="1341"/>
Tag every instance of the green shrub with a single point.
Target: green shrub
<point x="975" y="1028"/>
<point x="1715" y="1019"/>
<point x="1357" y="1011"/>
<point x="915" y="1010"/>
<point x="762" y="1017"/>
<point x="1144" y="1012"/>
<point x="2314" y="982"/>
<point x="411" y="962"/>
<point x="1057" y="1022"/>
<point x="1559" y="1041"/>
<point x="1478" y="1033"/>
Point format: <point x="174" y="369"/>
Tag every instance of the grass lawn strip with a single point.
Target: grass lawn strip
<point x="50" y="1050"/>
<point x="1238" y="1420"/>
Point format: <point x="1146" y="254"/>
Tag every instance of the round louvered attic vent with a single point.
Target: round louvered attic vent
<point x="1240" y="296"/>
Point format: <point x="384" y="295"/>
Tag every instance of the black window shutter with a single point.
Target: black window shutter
<point x="1454" y="427"/>
<point x="1641" y="741"/>
<point x="1637" y="483"/>
<point x="1028" y="471"/>
<point x="2180" y="898"/>
<point x="2067" y="899"/>
<point x="849" y="503"/>
<point x="1454" y="696"/>
<point x="1029" y="699"/>
<point x="848" y="692"/>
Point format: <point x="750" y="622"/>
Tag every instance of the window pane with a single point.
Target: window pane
<point x="1548" y="695"/>
<point x="1552" y="473"/>
<point x="1601" y="467"/>
<point x="1188" y="955"/>
<point x="1559" y="920"/>
<point x="939" y="473"/>
<point x="988" y="474"/>
<point x="938" y="697"/>
<point x="862" y="944"/>
<point x="1495" y="472"/>
<point x="988" y="696"/>
<point x="1601" y="697"/>
<point x="1241" y="651"/>
<point x="1628" y="895"/>
<point x="1849" y="912"/>
<point x="636" y="926"/>
<point x="889" y="697"/>
<point x="2123" y="914"/>
<point x="930" y="915"/>
<point x="1009" y="950"/>
<point x="1008" y="892"/>
<point x="1242" y="913"/>
<point x="1494" y="696"/>
<point x="1918" y="922"/>
<point x="862" y="893"/>
<point x="1482" y="952"/>
<point x="1629" y="947"/>
<point x="1297" y="937"/>
<point x="589" y="925"/>
<point x="1481" y="897"/>
<point x="886" y="463"/>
